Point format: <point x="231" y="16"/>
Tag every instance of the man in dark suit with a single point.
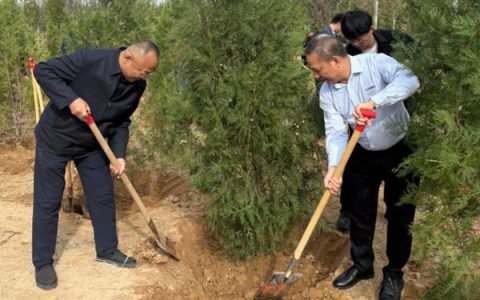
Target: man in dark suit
<point x="356" y="26"/>
<point x="108" y="84"/>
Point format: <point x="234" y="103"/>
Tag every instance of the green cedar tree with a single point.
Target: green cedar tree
<point x="445" y="129"/>
<point x="233" y="104"/>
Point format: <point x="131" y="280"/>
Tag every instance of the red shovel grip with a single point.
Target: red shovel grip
<point x="90" y="120"/>
<point x="367" y="114"/>
<point x="31" y="63"/>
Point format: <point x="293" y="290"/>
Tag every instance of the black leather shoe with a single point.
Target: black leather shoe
<point x="351" y="277"/>
<point x="45" y="277"/>
<point x="119" y="259"/>
<point x="391" y="287"/>
<point x="343" y="222"/>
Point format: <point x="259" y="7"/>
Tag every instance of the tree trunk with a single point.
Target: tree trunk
<point x="375" y="13"/>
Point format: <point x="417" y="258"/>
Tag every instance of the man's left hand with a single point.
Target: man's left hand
<point x="117" y="171"/>
<point x="359" y="118"/>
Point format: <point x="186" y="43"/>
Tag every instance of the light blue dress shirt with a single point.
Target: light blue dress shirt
<point x="373" y="76"/>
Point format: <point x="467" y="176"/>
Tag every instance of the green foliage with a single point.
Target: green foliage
<point x="445" y="131"/>
<point x="56" y="20"/>
<point x="320" y="12"/>
<point x="233" y="105"/>
<point x="16" y="39"/>
<point x="42" y="29"/>
<point x="111" y="24"/>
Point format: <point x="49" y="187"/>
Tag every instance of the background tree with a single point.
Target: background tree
<point x="320" y="12"/>
<point x="237" y="113"/>
<point x="15" y="43"/>
<point x="445" y="131"/>
<point x="56" y="20"/>
<point x="42" y="29"/>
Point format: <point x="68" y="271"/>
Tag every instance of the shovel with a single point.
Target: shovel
<point x="281" y="281"/>
<point x="164" y="243"/>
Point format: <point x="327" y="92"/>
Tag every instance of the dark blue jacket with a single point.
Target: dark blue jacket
<point x="95" y="76"/>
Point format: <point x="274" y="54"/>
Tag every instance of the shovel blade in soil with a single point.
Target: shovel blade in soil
<point x="167" y="247"/>
<point x="164" y="243"/>
<point x="277" y="286"/>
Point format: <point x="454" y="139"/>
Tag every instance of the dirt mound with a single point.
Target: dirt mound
<point x="205" y="275"/>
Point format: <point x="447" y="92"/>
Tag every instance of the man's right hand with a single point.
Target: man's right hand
<point x="332" y="184"/>
<point x="80" y="109"/>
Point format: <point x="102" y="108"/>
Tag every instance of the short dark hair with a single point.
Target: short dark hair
<point x="337" y="18"/>
<point x="356" y="23"/>
<point x="326" y="47"/>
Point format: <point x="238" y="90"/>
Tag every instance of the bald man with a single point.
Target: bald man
<point x="108" y="84"/>
<point x="369" y="81"/>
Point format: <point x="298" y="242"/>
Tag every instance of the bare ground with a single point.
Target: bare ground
<point x="201" y="273"/>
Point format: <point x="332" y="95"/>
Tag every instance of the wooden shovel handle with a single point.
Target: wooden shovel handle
<point x="31" y="63"/>
<point x="113" y="160"/>
<point x="326" y="195"/>
<point x="163" y="242"/>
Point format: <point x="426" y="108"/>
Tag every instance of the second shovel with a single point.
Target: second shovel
<point x="163" y="242"/>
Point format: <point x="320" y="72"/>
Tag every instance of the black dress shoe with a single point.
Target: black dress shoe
<point x="343" y="222"/>
<point x="351" y="277"/>
<point x="391" y="287"/>
<point x="45" y="277"/>
<point x="119" y="259"/>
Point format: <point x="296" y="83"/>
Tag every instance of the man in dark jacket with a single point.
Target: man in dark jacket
<point x="334" y="28"/>
<point x="108" y="84"/>
<point x="356" y="26"/>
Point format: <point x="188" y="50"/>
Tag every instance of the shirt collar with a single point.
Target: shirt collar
<point x="113" y="64"/>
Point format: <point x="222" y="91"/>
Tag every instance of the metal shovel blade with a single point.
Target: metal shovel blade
<point x="165" y="244"/>
<point x="278" y="285"/>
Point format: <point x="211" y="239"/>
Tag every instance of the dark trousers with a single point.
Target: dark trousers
<point x="49" y="183"/>
<point x="367" y="170"/>
<point x="345" y="190"/>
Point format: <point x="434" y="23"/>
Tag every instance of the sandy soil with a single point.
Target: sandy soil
<point x="201" y="273"/>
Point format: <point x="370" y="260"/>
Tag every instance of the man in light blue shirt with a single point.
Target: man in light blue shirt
<point x="370" y="81"/>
